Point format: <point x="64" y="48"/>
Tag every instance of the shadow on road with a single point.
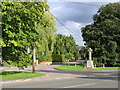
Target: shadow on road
<point x="105" y="78"/>
<point x="110" y="75"/>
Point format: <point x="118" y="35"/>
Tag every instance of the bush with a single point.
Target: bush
<point x="49" y="57"/>
<point x="69" y="55"/>
<point x="9" y="63"/>
<point x="44" y="58"/>
<point x="59" y="58"/>
<point x="41" y="58"/>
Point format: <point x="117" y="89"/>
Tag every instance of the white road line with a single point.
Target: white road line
<point x="64" y="78"/>
<point x="79" y="85"/>
<point x="67" y="77"/>
<point x="58" y="78"/>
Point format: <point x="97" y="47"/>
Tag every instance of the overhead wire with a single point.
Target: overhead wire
<point x="64" y="25"/>
<point x="86" y="4"/>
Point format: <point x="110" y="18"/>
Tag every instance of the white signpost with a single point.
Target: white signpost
<point x="90" y="62"/>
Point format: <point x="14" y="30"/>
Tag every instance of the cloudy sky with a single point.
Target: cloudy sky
<point x="74" y="15"/>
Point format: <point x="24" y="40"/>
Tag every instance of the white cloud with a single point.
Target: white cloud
<point x="57" y="8"/>
<point x="72" y="25"/>
<point x="75" y="24"/>
<point x="74" y="31"/>
<point x="74" y="16"/>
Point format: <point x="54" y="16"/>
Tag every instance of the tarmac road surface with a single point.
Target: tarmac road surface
<point x="68" y="79"/>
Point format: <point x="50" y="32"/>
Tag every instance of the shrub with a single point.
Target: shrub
<point x="60" y="58"/>
<point x="49" y="57"/>
<point x="44" y="58"/>
<point x="41" y="58"/>
<point x="9" y="63"/>
<point x="69" y="55"/>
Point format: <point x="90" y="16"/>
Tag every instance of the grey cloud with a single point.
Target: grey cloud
<point x="77" y="13"/>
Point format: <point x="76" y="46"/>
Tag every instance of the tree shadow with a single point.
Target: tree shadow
<point x="103" y="78"/>
<point x="111" y="75"/>
<point x="10" y="72"/>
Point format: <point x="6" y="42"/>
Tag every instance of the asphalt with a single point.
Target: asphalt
<point x="77" y="82"/>
<point x="64" y="79"/>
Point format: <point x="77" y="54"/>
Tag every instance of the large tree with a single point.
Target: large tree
<point x="26" y="25"/>
<point x="65" y="44"/>
<point x="104" y="34"/>
<point x="47" y="38"/>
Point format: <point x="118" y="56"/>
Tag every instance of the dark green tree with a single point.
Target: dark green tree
<point x="104" y="34"/>
<point x="84" y="53"/>
<point x="65" y="44"/>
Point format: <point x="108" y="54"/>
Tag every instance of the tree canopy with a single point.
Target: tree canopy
<point x="104" y="34"/>
<point x="65" y="44"/>
<point x="26" y="25"/>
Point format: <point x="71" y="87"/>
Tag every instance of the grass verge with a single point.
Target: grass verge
<point x="8" y="75"/>
<point x="77" y="68"/>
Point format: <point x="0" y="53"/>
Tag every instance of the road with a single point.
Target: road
<point x="66" y="83"/>
<point x="69" y="79"/>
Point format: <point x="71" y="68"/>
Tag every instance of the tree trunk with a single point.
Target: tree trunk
<point x="34" y="59"/>
<point x="33" y="67"/>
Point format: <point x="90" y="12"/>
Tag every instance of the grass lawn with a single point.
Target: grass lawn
<point x="76" y="68"/>
<point x="7" y="75"/>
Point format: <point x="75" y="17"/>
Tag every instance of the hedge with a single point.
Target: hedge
<point x="58" y="58"/>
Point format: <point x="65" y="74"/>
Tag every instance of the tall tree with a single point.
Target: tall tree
<point x="103" y="35"/>
<point x="47" y="37"/>
<point x="65" y="44"/>
<point x="25" y="25"/>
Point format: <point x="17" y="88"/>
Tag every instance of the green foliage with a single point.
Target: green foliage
<point x="69" y="55"/>
<point x="9" y="63"/>
<point x="58" y="58"/>
<point x="42" y="58"/>
<point x="46" y="56"/>
<point x="103" y="35"/>
<point x="84" y="53"/>
<point x="26" y="24"/>
<point x="64" y="44"/>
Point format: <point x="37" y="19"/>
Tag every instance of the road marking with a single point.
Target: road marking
<point x="79" y="85"/>
<point x="67" y="77"/>
<point x="58" y="78"/>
